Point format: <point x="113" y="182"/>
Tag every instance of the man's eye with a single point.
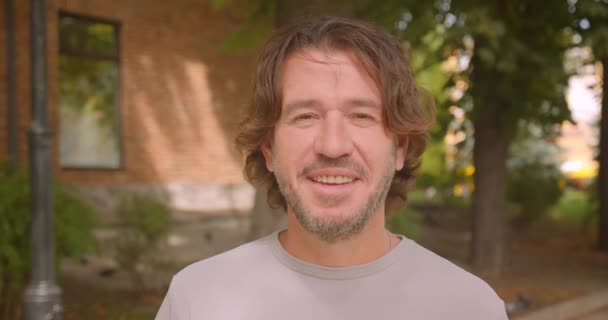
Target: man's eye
<point x="363" y="119"/>
<point x="305" y="116"/>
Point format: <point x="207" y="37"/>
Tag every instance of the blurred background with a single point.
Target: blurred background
<point x="144" y="102"/>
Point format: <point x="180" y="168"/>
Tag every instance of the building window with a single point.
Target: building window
<point x="89" y="118"/>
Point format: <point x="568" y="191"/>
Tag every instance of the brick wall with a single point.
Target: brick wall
<point x="180" y="97"/>
<point x="22" y="97"/>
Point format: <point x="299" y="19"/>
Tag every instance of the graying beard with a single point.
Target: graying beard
<point x="329" y="231"/>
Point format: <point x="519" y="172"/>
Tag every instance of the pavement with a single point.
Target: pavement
<point x="590" y="307"/>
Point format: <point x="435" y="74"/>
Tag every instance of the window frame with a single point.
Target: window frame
<point x="117" y="58"/>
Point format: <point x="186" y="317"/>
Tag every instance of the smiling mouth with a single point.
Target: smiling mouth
<point x="333" y="179"/>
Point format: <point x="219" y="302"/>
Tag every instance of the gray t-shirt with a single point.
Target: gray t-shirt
<point x="260" y="280"/>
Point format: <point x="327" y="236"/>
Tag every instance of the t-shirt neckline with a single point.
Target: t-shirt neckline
<point x="337" y="273"/>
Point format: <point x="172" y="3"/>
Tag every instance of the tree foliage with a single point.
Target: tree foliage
<point x="591" y="22"/>
<point x="510" y="53"/>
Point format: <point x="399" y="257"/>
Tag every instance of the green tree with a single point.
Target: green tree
<point x="511" y="52"/>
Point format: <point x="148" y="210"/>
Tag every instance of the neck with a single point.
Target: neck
<point x="373" y="242"/>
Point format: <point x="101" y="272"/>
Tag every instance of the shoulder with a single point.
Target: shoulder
<point x="214" y="280"/>
<point x="430" y="264"/>
<point x="444" y="283"/>
<point x="232" y="264"/>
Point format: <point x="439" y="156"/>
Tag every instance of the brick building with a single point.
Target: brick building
<point x="140" y="98"/>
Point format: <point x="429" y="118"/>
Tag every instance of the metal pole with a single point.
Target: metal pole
<point x="11" y="84"/>
<point x="42" y="296"/>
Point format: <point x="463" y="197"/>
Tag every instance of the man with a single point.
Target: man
<point x="336" y="129"/>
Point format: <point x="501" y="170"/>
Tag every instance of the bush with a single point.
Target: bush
<point x="147" y="222"/>
<point x="406" y="222"/>
<point x="533" y="188"/>
<point x="577" y="208"/>
<point x="74" y="220"/>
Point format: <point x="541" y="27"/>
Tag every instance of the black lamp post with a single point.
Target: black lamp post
<point x="42" y="296"/>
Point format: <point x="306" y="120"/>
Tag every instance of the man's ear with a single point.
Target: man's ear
<point x="401" y="151"/>
<point x="266" y="148"/>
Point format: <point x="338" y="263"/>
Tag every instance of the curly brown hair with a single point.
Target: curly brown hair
<point x="382" y="56"/>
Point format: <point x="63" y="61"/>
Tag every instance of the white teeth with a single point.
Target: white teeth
<point x="333" y="179"/>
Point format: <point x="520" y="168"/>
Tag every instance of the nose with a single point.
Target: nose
<point x="333" y="140"/>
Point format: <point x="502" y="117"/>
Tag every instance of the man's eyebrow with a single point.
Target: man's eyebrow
<point x="311" y="103"/>
<point x="364" y="103"/>
<point x="298" y="104"/>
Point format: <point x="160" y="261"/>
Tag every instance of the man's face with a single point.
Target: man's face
<point x="332" y="157"/>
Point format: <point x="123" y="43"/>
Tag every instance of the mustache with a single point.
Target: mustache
<point x="334" y="163"/>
